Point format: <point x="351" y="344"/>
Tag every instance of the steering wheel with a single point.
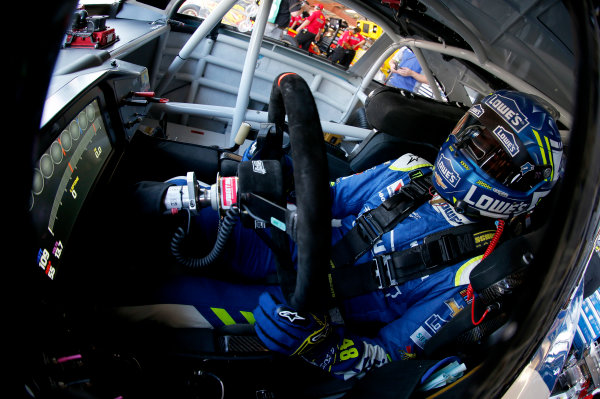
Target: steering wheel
<point x="291" y="95"/>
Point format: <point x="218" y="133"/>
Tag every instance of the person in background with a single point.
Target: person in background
<point x="279" y="19"/>
<point x="311" y="27"/>
<point x="405" y="72"/>
<point x="350" y="41"/>
<point x="299" y="14"/>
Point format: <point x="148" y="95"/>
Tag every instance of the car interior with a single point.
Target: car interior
<point x="102" y="255"/>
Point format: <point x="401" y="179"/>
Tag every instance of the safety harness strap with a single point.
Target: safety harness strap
<point x="438" y="251"/>
<point x="371" y="225"/>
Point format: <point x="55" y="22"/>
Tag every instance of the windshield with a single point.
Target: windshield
<point x="286" y="18"/>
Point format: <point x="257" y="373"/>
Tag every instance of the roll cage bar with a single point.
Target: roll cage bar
<point x="240" y="113"/>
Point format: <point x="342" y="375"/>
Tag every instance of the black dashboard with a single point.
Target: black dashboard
<point x="63" y="177"/>
<point x="89" y="152"/>
<point x="78" y="146"/>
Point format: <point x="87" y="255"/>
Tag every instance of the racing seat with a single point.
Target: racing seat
<point x="496" y="280"/>
<point x="403" y="122"/>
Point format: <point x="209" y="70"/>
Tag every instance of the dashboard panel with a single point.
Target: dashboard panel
<point x="89" y="154"/>
<point x="63" y="176"/>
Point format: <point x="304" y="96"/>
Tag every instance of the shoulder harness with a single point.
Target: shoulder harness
<point x="438" y="250"/>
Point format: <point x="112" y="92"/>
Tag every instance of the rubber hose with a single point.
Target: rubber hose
<point x="359" y="119"/>
<point x="223" y="235"/>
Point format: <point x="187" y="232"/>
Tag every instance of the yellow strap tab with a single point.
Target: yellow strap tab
<point x="248" y="316"/>
<point x="223" y="316"/>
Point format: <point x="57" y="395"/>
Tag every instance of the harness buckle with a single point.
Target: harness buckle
<point x="383" y="272"/>
<point x="369" y="228"/>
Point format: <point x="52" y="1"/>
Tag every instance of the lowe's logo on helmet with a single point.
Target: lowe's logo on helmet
<point x="487" y="203"/>
<point x="507" y="139"/>
<point x="508" y="109"/>
<point x="476" y="110"/>
<point x="446" y="170"/>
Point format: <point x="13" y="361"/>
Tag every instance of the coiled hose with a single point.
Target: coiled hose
<point x="223" y="235"/>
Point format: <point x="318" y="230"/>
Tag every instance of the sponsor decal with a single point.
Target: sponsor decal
<point x="446" y="170"/>
<point x="448" y="211"/>
<point x="464" y="294"/>
<point x="508" y="109"/>
<point x="228" y="192"/>
<point x="484" y="184"/>
<point x="476" y="110"/>
<point x="439" y="181"/>
<point x="435" y="322"/>
<point x="528" y="167"/>
<point x="394" y="187"/>
<point x="500" y="192"/>
<point x="483" y="238"/>
<point x="420" y="337"/>
<point x="259" y="167"/>
<point x="327" y="359"/>
<point x="407" y="353"/>
<point x="507" y="139"/>
<point x="486" y="203"/>
<point x="453" y="306"/>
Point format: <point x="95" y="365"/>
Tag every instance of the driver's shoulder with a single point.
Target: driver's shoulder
<point x="409" y="162"/>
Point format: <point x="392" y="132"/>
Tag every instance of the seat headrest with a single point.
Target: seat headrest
<point x="402" y="113"/>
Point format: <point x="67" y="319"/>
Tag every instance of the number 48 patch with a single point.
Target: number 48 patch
<point x="347" y="350"/>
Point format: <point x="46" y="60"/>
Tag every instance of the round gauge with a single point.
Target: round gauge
<point x="74" y="131"/>
<point x="38" y="182"/>
<point x="91" y="112"/>
<point x="46" y="166"/>
<point x="56" y="152"/>
<point x="82" y="119"/>
<point x="65" y="140"/>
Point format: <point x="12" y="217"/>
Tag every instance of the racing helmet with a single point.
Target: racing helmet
<point x="319" y="6"/>
<point x="502" y="157"/>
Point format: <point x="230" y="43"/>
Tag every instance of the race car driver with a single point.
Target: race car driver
<point x="500" y="160"/>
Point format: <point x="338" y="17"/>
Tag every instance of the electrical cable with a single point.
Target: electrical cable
<point x="225" y="230"/>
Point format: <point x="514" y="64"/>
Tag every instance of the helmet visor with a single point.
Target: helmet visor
<point x="484" y="148"/>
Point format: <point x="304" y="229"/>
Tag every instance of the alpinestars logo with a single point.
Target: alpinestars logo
<point x="507" y="139"/>
<point x="291" y="316"/>
<point x="509" y="111"/>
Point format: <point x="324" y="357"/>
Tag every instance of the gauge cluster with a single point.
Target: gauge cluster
<point x="62" y="179"/>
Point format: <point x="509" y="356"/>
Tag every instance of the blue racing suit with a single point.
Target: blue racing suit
<point x="410" y="313"/>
